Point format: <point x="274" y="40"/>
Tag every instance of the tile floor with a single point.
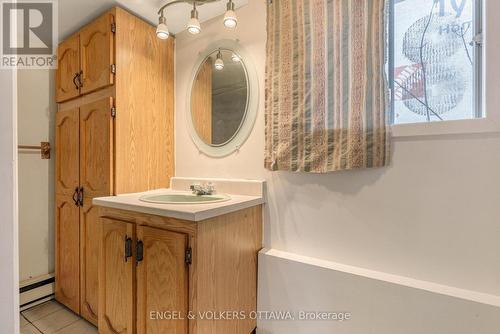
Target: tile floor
<point x="51" y="317"/>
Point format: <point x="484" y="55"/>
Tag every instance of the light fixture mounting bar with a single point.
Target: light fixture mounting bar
<point x="191" y="2"/>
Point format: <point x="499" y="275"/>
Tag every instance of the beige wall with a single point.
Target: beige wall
<point x="36" y="115"/>
<point x="432" y="215"/>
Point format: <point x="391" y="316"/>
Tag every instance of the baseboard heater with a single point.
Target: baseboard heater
<point x="36" y="291"/>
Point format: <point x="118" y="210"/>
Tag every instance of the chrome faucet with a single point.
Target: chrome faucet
<point x="203" y="189"/>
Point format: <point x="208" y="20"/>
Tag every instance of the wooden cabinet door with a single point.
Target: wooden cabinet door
<point x="162" y="281"/>
<point x="97" y="54"/>
<point x="68" y="60"/>
<point x="89" y="260"/>
<point x="116" y="279"/>
<point x="67" y="152"/>
<point x="67" y="253"/>
<point x="96" y="148"/>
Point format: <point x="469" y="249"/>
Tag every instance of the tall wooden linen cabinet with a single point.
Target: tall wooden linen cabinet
<point x="114" y="135"/>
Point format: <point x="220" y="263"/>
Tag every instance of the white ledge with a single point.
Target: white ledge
<point x="456" y="127"/>
<point x="469" y="295"/>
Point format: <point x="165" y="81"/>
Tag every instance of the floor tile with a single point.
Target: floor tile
<point x="55" y="321"/>
<point x="22" y="321"/>
<point x="42" y="310"/>
<point x="29" y="329"/>
<point x="79" y="327"/>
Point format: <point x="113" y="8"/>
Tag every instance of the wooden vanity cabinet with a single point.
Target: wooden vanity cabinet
<point x="156" y="271"/>
<point x="154" y="278"/>
<point x="115" y="136"/>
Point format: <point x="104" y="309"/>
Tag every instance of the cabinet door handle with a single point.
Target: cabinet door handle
<point x="75" y="197"/>
<point x="128" y="248"/>
<point x="140" y="251"/>
<point x="80" y="196"/>
<point x="80" y="82"/>
<point x="74" y="81"/>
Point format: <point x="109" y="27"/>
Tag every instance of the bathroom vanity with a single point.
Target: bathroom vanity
<point x="180" y="268"/>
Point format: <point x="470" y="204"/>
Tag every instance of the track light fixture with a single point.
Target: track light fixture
<point x="230" y="18"/>
<point x="162" y="29"/>
<point x="194" y="26"/>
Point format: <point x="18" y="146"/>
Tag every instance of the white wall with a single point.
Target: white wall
<point x="9" y="276"/>
<point x="36" y="116"/>
<point x="432" y="215"/>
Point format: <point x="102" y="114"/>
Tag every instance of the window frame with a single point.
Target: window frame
<point x="489" y="118"/>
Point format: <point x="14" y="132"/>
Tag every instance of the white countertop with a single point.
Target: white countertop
<point x="191" y="212"/>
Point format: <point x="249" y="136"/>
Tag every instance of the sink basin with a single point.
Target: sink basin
<point x="183" y="199"/>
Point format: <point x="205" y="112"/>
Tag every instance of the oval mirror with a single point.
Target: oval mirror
<point x="222" y="100"/>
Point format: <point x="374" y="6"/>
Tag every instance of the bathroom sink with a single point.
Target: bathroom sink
<point x="183" y="199"/>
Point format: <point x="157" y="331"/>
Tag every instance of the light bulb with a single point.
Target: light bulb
<point x="230" y="18"/>
<point x="219" y="64"/>
<point x="194" y="26"/>
<point x="162" y="29"/>
<point x="235" y="58"/>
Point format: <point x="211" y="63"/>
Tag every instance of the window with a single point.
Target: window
<point x="434" y="66"/>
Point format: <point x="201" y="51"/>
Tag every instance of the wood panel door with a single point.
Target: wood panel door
<point x="97" y="54"/>
<point x="67" y="151"/>
<point x="68" y="252"/>
<point x="68" y="60"/>
<point x="116" y="278"/>
<point x="89" y="260"/>
<point x="162" y="280"/>
<point x="96" y="148"/>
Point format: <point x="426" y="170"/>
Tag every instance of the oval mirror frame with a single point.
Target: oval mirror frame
<point x="248" y="122"/>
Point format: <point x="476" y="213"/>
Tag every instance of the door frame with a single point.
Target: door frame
<point x="9" y="271"/>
